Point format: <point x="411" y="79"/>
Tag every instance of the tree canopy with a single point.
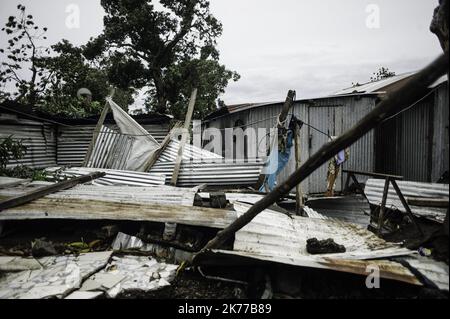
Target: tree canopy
<point x="168" y="51"/>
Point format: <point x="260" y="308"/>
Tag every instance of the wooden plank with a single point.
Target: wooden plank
<point x="405" y="204"/>
<point x="383" y="205"/>
<point x="74" y="209"/>
<point x="41" y="192"/>
<point x="184" y="137"/>
<point x="398" y="100"/>
<point x="428" y="202"/>
<point x="96" y="133"/>
<point x="155" y="156"/>
<point x="298" y="188"/>
<point x="371" y="174"/>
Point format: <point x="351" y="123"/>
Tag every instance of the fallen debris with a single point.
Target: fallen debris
<point x="58" y="277"/>
<point x="326" y="246"/>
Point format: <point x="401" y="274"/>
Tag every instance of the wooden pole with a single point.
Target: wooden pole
<point x="383" y="205"/>
<point x="298" y="188"/>
<point x="163" y="146"/>
<point x="184" y="137"/>
<point x="399" y="99"/>
<point x="286" y="107"/>
<point x="97" y="130"/>
<point x="281" y="118"/>
<point x="405" y="204"/>
<point x="41" y="192"/>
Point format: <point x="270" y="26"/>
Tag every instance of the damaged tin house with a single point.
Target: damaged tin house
<point x="130" y="206"/>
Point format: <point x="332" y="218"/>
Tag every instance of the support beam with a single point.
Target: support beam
<point x="405" y="204"/>
<point x="163" y="146"/>
<point x="383" y="205"/>
<point x="399" y="99"/>
<point x="41" y="192"/>
<point x="184" y="137"/>
<point x="97" y="130"/>
<point x="298" y="188"/>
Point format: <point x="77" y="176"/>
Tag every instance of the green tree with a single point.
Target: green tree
<point x="72" y="72"/>
<point x="168" y="51"/>
<point x="22" y="75"/>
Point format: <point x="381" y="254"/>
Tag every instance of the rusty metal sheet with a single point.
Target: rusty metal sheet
<point x="374" y="192"/>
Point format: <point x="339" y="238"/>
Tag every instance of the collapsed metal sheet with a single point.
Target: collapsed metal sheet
<point x="131" y="273"/>
<point x="280" y="238"/>
<point x="112" y="177"/>
<point x="58" y="276"/>
<point x="351" y="209"/>
<point x="190" y="152"/>
<point x="374" y="192"/>
<point x="70" y="208"/>
<point x="124" y="194"/>
<point x="212" y="172"/>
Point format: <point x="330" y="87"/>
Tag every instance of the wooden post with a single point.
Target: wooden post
<point x="405" y="204"/>
<point x="41" y="192"/>
<point x="97" y="130"/>
<point x="184" y="137"/>
<point x="286" y="107"/>
<point x="399" y="99"/>
<point x="281" y="118"/>
<point x="163" y="146"/>
<point x="298" y="188"/>
<point x="383" y="205"/>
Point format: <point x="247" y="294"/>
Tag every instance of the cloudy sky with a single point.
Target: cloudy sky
<point x="314" y="47"/>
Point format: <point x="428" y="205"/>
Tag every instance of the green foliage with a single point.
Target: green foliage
<point x="382" y="73"/>
<point x="22" y="76"/>
<point x="10" y="149"/>
<point x="71" y="71"/>
<point x="169" y="52"/>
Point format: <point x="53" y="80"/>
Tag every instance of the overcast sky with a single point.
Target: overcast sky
<point x="314" y="47"/>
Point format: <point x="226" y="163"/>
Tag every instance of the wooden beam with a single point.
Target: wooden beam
<point x="405" y="204"/>
<point x="162" y="147"/>
<point x="399" y="99"/>
<point x="281" y="118"/>
<point x="97" y="130"/>
<point x="371" y="174"/>
<point x="286" y="106"/>
<point x="383" y="205"/>
<point x="41" y="192"/>
<point x="184" y="137"/>
<point x="428" y="202"/>
<point x="298" y="188"/>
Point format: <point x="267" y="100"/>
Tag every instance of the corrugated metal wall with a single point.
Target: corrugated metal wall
<point x="48" y="145"/>
<point x="414" y="144"/>
<point x="73" y="142"/>
<point x="350" y="110"/>
<point x="39" y="139"/>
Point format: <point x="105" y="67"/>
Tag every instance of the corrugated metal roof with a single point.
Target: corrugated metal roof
<point x="376" y="86"/>
<point x="112" y="177"/>
<point x="213" y="172"/>
<point x="382" y="85"/>
<point x="374" y="191"/>
<point x="280" y="238"/>
<point x="351" y="209"/>
<point x="190" y="152"/>
<point x="154" y="204"/>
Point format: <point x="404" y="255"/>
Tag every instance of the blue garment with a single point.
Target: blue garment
<point x="276" y="165"/>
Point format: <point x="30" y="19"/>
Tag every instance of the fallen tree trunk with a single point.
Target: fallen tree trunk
<point x="398" y="100"/>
